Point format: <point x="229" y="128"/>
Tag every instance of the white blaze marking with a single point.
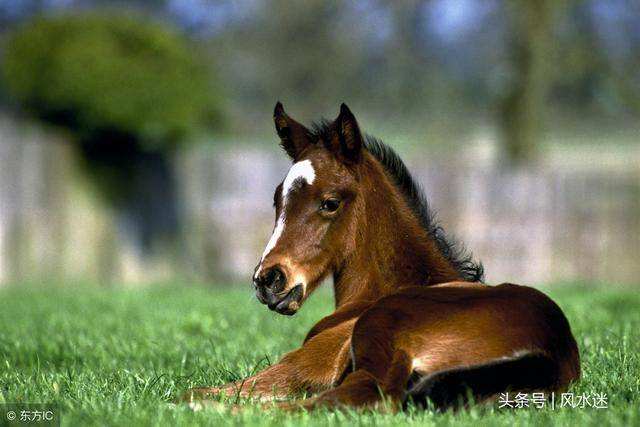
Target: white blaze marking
<point x="300" y="170"/>
<point x="303" y="169"/>
<point x="277" y="232"/>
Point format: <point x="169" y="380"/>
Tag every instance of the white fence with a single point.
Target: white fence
<point x="574" y="216"/>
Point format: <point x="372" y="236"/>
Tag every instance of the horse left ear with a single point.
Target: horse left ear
<point x="349" y="139"/>
<point x="294" y="137"/>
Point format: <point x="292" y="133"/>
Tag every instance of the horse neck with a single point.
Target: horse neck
<point x="391" y="249"/>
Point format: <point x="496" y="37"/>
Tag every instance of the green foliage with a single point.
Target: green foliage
<point x="110" y="73"/>
<point x="118" y="357"/>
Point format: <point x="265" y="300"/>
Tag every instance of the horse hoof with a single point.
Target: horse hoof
<point x="196" y="394"/>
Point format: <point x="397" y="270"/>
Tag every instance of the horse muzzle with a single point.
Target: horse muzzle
<point x="287" y="304"/>
<point x="270" y="290"/>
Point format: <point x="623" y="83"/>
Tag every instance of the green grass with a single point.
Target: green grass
<point x="118" y="357"/>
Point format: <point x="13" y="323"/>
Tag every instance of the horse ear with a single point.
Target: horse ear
<point x="349" y="139"/>
<point x="294" y="137"/>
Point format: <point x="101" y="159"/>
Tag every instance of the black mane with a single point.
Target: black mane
<point x="452" y="250"/>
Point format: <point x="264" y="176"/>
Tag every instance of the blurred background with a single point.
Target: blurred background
<point x="137" y="143"/>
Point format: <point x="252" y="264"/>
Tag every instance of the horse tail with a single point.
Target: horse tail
<point x="524" y="372"/>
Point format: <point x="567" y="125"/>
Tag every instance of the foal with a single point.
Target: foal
<point x="412" y="320"/>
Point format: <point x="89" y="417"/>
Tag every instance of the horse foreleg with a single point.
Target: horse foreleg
<point x="314" y="367"/>
<point x="382" y="367"/>
<point x="271" y="383"/>
<point x="364" y="389"/>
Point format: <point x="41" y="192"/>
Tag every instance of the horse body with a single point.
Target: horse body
<point x="489" y="339"/>
<point x="412" y="319"/>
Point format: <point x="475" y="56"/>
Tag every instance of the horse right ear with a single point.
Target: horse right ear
<point x="347" y="142"/>
<point x="294" y="137"/>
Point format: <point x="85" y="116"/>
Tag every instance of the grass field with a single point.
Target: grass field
<point x="118" y="357"/>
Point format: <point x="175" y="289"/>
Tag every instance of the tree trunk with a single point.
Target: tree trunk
<point x="151" y="208"/>
<point x="141" y="186"/>
<point x="530" y="51"/>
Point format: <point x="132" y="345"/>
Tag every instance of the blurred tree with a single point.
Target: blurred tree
<point x="285" y="42"/>
<point x="530" y="50"/>
<point x="130" y="92"/>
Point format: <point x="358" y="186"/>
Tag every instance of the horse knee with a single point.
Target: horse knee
<point x="359" y="389"/>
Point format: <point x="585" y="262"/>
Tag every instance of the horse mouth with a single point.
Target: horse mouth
<point x="290" y="303"/>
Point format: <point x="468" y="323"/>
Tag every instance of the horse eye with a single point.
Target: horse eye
<point x="330" y="205"/>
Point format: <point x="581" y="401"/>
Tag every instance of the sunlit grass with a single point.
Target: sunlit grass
<point x="119" y="357"/>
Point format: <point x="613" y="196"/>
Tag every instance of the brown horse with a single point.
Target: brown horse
<point x="413" y="320"/>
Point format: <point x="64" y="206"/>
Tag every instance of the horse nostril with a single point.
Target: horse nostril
<point x="273" y="279"/>
<point x="278" y="283"/>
